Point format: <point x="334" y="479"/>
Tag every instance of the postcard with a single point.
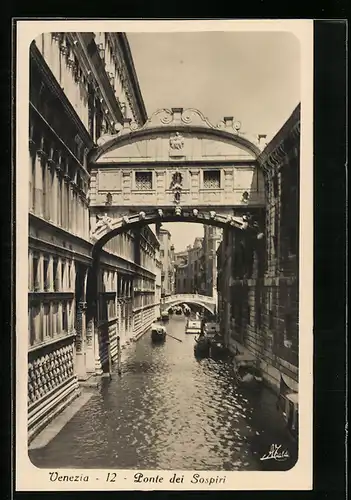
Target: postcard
<point x="164" y="222"/>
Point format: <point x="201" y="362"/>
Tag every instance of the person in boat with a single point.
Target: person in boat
<point x="202" y="338"/>
<point x="156" y="325"/>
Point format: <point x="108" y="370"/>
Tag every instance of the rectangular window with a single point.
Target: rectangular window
<point x="44" y="190"/>
<point x="32" y="183"/>
<point x="54" y="318"/>
<point x="46" y="320"/>
<point x="46" y="275"/>
<point x="36" y="276"/>
<point x="143" y="180"/>
<point x="56" y="276"/>
<point x="64" y="317"/>
<point x="212" y="179"/>
<point x="63" y="281"/>
<point x="35" y="324"/>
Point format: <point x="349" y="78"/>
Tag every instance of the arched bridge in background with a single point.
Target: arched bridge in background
<point x="205" y="301"/>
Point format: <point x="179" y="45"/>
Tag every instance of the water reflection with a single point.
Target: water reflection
<point x="169" y="410"/>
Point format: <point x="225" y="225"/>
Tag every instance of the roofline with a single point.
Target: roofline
<point x="120" y="140"/>
<point x="281" y="134"/>
<point x="131" y="69"/>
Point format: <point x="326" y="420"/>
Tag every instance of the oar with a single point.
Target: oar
<point x="175" y="338"/>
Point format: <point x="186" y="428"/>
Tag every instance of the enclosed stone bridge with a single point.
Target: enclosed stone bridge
<point x="177" y="167"/>
<point x="205" y="301"/>
<point x="177" y="162"/>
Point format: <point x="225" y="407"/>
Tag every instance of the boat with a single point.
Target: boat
<point x="246" y="370"/>
<point x="186" y="310"/>
<point x="165" y="316"/>
<point x="217" y="348"/>
<point x="179" y="311"/>
<point x="211" y="327"/>
<point x="288" y="407"/>
<point x="202" y="346"/>
<point x="193" y="326"/>
<point x="158" y="333"/>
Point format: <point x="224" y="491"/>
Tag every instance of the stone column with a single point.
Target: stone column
<point x="130" y="330"/>
<point x="51" y="274"/>
<point x="122" y="330"/>
<point x="96" y="338"/>
<point x="89" y="347"/>
<point x="38" y="196"/>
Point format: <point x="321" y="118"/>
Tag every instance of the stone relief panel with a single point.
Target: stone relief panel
<point x="109" y="180"/>
<point x="245" y="178"/>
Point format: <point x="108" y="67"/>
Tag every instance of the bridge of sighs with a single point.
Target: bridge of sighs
<point x="176" y="167"/>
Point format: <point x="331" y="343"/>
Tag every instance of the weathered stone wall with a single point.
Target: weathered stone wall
<point x="259" y="300"/>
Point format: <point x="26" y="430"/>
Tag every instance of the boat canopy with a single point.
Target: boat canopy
<point x="293" y="397"/>
<point x="245" y="357"/>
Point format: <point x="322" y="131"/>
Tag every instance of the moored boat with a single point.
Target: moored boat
<point x="165" y="316"/>
<point x="202" y="346"/>
<point x="218" y="349"/>
<point x="246" y="370"/>
<point x="158" y="333"/>
<point x="288" y="407"/>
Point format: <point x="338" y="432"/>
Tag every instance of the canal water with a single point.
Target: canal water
<point x="169" y="410"/>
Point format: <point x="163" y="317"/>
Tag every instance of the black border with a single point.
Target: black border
<point x="329" y="267"/>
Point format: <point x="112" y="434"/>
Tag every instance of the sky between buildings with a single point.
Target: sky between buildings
<point x="253" y="76"/>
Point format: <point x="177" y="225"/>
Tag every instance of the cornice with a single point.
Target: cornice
<point x="98" y="74"/>
<point x="65" y="147"/>
<point x="127" y="75"/>
<point x="277" y="148"/>
<point x="128" y="59"/>
<point x="52" y="83"/>
<point x="142" y="133"/>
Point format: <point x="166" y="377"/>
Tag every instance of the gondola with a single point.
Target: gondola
<point x="218" y="349"/>
<point x="165" y="316"/>
<point x="201" y="347"/>
<point x="246" y="371"/>
<point x="158" y="333"/>
<point x="288" y="407"/>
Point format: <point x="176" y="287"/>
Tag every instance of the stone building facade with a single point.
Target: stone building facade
<point x="82" y="85"/>
<point x="210" y="244"/>
<point x="258" y="277"/>
<point x="167" y="262"/>
<point x="196" y="267"/>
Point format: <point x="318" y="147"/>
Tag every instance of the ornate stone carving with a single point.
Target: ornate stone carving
<point x="176" y="142"/>
<point x="103" y="220"/>
<point x="176" y="186"/>
<point x="47" y="372"/>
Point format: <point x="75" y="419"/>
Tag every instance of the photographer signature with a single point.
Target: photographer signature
<point x="276" y="453"/>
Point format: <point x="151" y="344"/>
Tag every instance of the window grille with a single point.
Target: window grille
<point x="143" y="180"/>
<point x="212" y="179"/>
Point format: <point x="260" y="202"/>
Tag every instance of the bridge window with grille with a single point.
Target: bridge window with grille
<point x="143" y="180"/>
<point x="212" y="179"/>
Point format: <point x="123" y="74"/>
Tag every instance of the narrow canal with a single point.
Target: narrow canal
<point x="171" y="411"/>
